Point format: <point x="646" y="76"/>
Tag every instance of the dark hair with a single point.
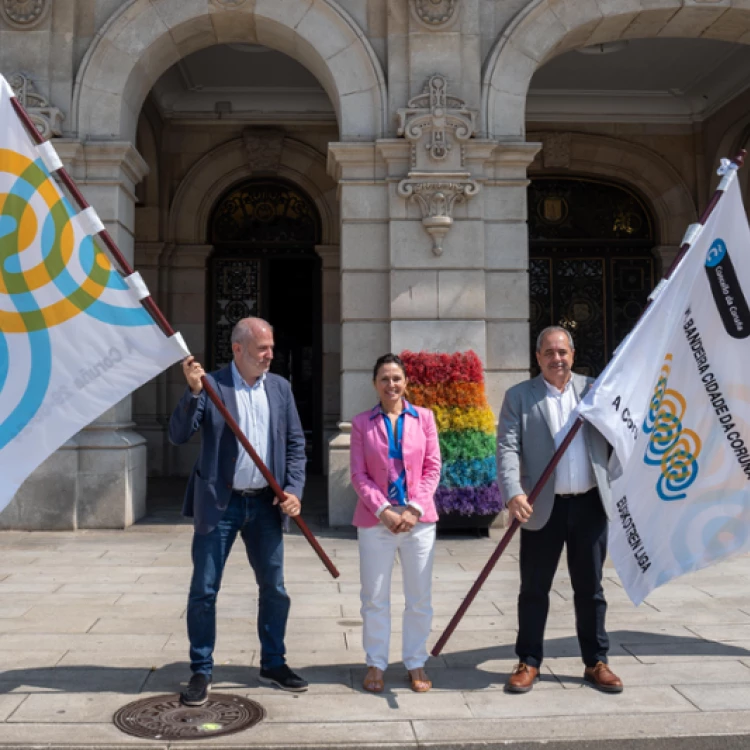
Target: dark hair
<point x="387" y="359"/>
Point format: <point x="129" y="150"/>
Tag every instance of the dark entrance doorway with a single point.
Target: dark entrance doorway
<point x="264" y="264"/>
<point x="591" y="266"/>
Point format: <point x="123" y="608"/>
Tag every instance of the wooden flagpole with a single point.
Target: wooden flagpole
<point x="739" y="160"/>
<point x="163" y="323"/>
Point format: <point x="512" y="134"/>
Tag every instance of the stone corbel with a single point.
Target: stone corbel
<point x="437" y="127"/>
<point x="47" y="119"/>
<point x="436" y="195"/>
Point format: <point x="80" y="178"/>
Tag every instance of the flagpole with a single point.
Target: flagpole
<point x="150" y="305"/>
<point x="739" y="160"/>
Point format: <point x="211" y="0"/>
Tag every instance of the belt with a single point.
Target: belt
<point x="571" y="495"/>
<point x="251" y="492"/>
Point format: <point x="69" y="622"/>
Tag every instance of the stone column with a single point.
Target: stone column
<point x="432" y="258"/>
<point x="506" y="262"/>
<point x="150" y="401"/>
<point x="112" y="456"/>
<point x="185" y="297"/>
<point x="98" y="479"/>
<point x="331" y="365"/>
<point x="365" y="328"/>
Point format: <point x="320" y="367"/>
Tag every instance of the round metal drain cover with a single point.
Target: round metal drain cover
<point x="165" y="718"/>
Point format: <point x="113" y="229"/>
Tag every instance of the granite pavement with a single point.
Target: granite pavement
<point x="92" y="620"/>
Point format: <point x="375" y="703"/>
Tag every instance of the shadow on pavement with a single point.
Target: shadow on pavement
<point x="460" y="670"/>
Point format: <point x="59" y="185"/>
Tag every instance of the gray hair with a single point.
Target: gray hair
<point x="553" y="329"/>
<point x="243" y="329"/>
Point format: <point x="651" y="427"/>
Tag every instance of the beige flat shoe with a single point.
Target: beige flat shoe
<point x="373" y="682"/>
<point x="419" y="681"/>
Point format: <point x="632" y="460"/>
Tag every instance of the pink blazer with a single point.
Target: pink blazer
<point x="369" y="464"/>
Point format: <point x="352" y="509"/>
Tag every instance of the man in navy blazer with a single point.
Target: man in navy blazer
<point x="227" y="495"/>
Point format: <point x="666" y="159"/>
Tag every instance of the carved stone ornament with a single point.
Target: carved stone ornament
<point x="263" y="148"/>
<point x="436" y="198"/>
<point x="23" y="14"/>
<point x="435" y="14"/>
<point x="47" y="120"/>
<point x="436" y="124"/>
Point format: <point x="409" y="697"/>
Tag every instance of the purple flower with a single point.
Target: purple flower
<point x="469" y="501"/>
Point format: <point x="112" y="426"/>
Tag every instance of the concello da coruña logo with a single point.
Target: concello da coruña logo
<point x="727" y="291"/>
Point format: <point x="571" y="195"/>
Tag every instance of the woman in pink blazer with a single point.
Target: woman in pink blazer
<point x="395" y="470"/>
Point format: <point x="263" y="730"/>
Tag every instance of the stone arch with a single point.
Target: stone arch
<point x="546" y="28"/>
<point x="218" y="170"/>
<point x="736" y="137"/>
<point x="144" y="38"/>
<point x="660" y="183"/>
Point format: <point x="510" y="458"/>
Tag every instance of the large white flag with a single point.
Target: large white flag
<point x="675" y="404"/>
<point x="74" y="338"/>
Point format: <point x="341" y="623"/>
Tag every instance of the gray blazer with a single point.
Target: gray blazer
<point x="525" y="445"/>
<point x="210" y="485"/>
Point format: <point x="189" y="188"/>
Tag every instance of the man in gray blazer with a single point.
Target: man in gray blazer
<point x="227" y="495"/>
<point x="571" y="510"/>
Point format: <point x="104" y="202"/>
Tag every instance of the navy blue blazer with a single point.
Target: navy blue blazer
<point x="210" y="485"/>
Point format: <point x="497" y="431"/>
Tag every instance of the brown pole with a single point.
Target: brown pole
<point x="490" y="564"/>
<point x="277" y="490"/>
<point x="165" y="326"/>
<point x="739" y="160"/>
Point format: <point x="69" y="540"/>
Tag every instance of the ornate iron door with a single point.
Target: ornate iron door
<point x="590" y="269"/>
<point x="264" y="264"/>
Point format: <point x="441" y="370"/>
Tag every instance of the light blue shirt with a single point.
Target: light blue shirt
<point x="255" y="422"/>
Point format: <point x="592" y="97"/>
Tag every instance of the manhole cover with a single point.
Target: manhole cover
<point x="165" y="718"/>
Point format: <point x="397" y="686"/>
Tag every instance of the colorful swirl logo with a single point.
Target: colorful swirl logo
<point x="671" y="446"/>
<point x="50" y="272"/>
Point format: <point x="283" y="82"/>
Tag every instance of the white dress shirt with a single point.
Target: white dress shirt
<point x="573" y="474"/>
<point x="255" y="422"/>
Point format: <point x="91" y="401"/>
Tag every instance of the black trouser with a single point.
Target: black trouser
<point x="578" y="522"/>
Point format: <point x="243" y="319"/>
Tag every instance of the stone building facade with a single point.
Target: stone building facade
<point x="372" y="176"/>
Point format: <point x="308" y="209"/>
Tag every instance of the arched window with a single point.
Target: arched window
<point x="264" y="264"/>
<point x="591" y="268"/>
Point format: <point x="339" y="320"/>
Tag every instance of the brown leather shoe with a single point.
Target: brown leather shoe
<point x="603" y="678"/>
<point x="522" y="679"/>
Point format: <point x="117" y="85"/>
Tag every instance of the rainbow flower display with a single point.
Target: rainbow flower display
<point x="452" y="385"/>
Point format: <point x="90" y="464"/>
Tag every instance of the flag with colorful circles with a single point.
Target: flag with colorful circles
<point x="74" y="337"/>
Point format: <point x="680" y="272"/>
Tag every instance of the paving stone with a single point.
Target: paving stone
<point x="674" y="653"/>
<point x="11" y="611"/>
<point x="8" y="705"/>
<point x="722" y="631"/>
<point x="77" y="642"/>
<point x="365" y="707"/>
<point x="544" y="728"/>
<point x="73" y="679"/>
<point x="570" y="673"/>
<point x="696" y="651"/>
<point x="63" y="623"/>
<point x="726" y="696"/>
<point x="70" y="708"/>
<point x="659" y="699"/>
<point x="384" y="734"/>
<point x="29" y="659"/>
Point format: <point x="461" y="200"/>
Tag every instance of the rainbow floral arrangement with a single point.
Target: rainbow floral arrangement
<point x="452" y="386"/>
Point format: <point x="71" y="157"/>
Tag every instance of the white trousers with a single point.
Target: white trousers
<point x="377" y="554"/>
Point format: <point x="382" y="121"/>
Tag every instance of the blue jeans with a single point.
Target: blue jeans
<point x="259" y="523"/>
